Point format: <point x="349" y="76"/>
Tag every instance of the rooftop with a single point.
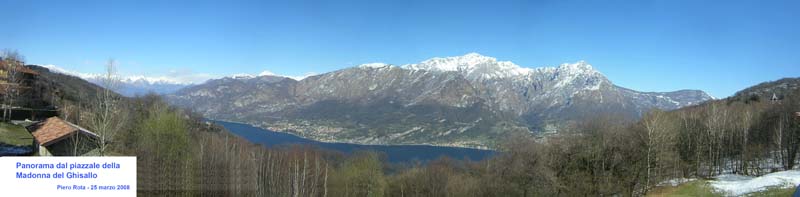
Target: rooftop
<point x="53" y="130"/>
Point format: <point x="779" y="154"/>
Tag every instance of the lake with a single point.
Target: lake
<point x="394" y="153"/>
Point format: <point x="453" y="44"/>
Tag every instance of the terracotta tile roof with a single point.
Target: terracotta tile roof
<point x="53" y="130"/>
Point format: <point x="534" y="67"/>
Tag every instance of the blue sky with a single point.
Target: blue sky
<point x="716" y="46"/>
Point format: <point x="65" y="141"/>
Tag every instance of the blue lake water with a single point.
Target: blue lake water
<point x="394" y="153"/>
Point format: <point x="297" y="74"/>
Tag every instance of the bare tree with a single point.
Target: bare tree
<point x="691" y="141"/>
<point x="325" y="181"/>
<point x="67" y="110"/>
<point x="108" y="116"/>
<point x="660" y="145"/>
<point x="746" y="119"/>
<point x="12" y="61"/>
<point x="786" y="130"/>
<point x="716" y="123"/>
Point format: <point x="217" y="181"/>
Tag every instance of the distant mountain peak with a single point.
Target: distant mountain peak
<point x="375" y="65"/>
<point x="471" y="65"/>
<point x="242" y="76"/>
<point x="475" y="65"/>
<point x="466" y="60"/>
<point x="577" y="68"/>
<point x="580" y="65"/>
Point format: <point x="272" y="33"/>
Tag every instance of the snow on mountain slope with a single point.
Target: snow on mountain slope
<point x="472" y="94"/>
<point x="132" y="85"/>
<point x="472" y="65"/>
<point x="374" y="65"/>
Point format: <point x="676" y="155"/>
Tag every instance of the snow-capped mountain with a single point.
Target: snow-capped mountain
<point x="472" y="65"/>
<point x="129" y="85"/>
<point x="132" y="86"/>
<point x="462" y="101"/>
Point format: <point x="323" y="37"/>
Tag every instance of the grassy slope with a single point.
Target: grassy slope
<point x="775" y="192"/>
<point x="14" y="135"/>
<point x="693" y="188"/>
<point x="14" y="140"/>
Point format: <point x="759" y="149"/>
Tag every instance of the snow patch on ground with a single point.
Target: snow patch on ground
<point x="676" y="182"/>
<point x="737" y="185"/>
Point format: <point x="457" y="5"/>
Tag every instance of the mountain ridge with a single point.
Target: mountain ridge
<point x="469" y="100"/>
